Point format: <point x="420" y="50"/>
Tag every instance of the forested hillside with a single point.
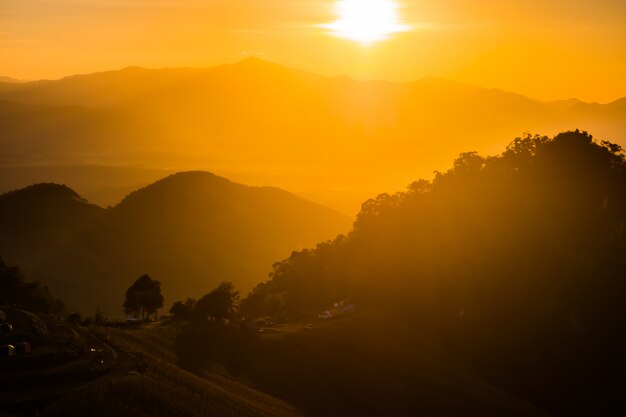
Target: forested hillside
<point x="516" y="262"/>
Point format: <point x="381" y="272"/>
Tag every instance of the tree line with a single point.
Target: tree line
<point x="144" y="299"/>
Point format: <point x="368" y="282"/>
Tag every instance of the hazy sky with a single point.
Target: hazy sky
<point x="546" y="49"/>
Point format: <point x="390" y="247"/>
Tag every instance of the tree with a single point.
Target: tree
<point x="183" y="310"/>
<point x="143" y="298"/>
<point x="219" y="304"/>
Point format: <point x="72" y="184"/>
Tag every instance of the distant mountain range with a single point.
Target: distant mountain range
<point x="191" y="231"/>
<point x="326" y="138"/>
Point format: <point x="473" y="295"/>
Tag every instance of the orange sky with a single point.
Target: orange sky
<point x="544" y="49"/>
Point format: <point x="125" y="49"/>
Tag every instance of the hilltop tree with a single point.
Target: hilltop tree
<point x="143" y="298"/>
<point x="219" y="304"/>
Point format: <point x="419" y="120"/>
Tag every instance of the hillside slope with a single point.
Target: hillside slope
<point x="163" y="389"/>
<point x="78" y="371"/>
<point x="190" y="231"/>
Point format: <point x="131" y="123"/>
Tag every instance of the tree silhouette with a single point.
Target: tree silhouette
<point x="219" y="304"/>
<point x="183" y="310"/>
<point x="143" y="298"/>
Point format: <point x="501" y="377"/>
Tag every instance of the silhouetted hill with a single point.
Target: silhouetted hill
<point x="190" y="231"/>
<point x="39" y="220"/>
<point x="513" y="263"/>
<point x="36" y="194"/>
<point x="326" y="138"/>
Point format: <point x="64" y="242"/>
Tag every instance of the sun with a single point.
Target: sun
<point x="366" y="21"/>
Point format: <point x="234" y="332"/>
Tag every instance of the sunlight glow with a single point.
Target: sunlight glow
<point x="366" y="21"/>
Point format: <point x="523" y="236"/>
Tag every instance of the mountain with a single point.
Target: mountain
<point x="325" y="138"/>
<point x="190" y="230"/>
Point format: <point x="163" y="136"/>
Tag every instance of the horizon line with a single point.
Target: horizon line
<point x="17" y="81"/>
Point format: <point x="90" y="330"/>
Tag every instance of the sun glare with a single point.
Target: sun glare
<point x="366" y="21"/>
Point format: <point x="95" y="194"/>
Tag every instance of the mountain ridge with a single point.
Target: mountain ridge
<point x="254" y="62"/>
<point x="324" y="138"/>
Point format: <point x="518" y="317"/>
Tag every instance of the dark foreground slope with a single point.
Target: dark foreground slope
<point x="77" y="371"/>
<point x="366" y="363"/>
<point x="108" y="372"/>
<point x="190" y="231"/>
<point x="161" y="388"/>
<point x="511" y="266"/>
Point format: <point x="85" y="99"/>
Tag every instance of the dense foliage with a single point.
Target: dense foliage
<point x="183" y="310"/>
<point x="516" y="260"/>
<point x="219" y="304"/>
<point x="143" y="298"/>
<point x="32" y="296"/>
